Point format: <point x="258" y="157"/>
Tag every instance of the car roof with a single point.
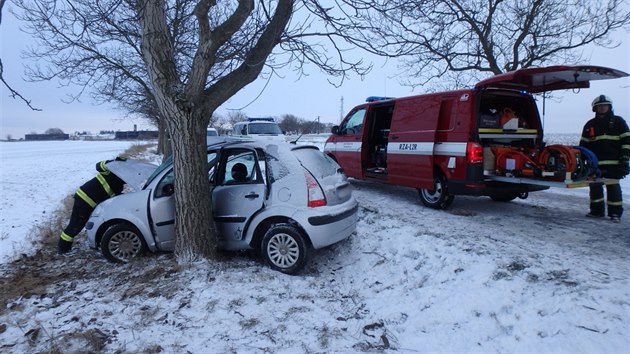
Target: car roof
<point x="217" y="142"/>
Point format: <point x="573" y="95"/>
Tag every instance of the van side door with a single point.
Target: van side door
<point x="411" y="142"/>
<point x="347" y="144"/>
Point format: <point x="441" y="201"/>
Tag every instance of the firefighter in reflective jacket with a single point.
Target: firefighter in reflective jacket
<point x="608" y="137"/>
<point x="87" y="197"/>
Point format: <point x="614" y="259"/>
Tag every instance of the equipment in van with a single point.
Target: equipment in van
<point x="482" y="141"/>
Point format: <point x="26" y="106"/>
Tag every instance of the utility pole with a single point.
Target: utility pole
<point x="341" y="110"/>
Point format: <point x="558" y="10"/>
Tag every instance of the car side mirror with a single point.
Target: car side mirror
<point x="335" y="130"/>
<point x="168" y="190"/>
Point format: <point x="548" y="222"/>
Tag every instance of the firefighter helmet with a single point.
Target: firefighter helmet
<point x="601" y="99"/>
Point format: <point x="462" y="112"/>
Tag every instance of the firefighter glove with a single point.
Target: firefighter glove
<point x="120" y="158"/>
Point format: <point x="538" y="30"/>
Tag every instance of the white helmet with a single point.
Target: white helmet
<point x="601" y="99"/>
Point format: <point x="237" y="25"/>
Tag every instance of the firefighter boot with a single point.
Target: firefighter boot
<point x="64" y="247"/>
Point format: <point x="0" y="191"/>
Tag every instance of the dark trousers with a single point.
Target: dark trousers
<point x="80" y="214"/>
<point x="614" y="201"/>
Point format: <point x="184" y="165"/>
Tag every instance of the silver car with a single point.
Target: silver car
<point x="278" y="198"/>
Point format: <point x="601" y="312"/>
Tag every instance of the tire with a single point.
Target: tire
<point x="438" y="197"/>
<point x="503" y="197"/>
<point x="122" y="242"/>
<point x="285" y="249"/>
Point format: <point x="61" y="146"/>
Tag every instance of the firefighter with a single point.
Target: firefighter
<point x="607" y="135"/>
<point x="87" y="197"/>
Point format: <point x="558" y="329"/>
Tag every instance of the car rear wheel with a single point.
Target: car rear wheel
<point x="284" y="248"/>
<point x="438" y="197"/>
<point x="122" y="242"/>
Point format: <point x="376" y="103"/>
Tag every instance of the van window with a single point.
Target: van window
<point x="239" y="129"/>
<point x="446" y="112"/>
<point x="354" y="123"/>
<point x="264" y="128"/>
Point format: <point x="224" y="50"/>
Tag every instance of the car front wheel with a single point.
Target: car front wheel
<point x="284" y="248"/>
<point x="122" y="242"/>
<point x="438" y="197"/>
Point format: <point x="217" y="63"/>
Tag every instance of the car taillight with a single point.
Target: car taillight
<point x="474" y="153"/>
<point x="316" y="196"/>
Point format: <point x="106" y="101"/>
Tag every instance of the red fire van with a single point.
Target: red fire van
<point x="482" y="141"/>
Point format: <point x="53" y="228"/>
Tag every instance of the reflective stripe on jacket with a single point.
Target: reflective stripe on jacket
<point x="105" y="185"/>
<point x="609" y="138"/>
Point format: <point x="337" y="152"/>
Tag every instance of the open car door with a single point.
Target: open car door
<point x="240" y="191"/>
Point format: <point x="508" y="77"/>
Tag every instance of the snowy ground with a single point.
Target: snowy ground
<point x="531" y="275"/>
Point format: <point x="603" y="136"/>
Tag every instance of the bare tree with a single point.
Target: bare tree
<point x="192" y="56"/>
<point x="54" y="131"/>
<point x="463" y="40"/>
<point x="14" y="93"/>
<point x="289" y="123"/>
<point x="235" y="117"/>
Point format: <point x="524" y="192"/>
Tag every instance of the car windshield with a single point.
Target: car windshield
<point x="264" y="128"/>
<point x="165" y="164"/>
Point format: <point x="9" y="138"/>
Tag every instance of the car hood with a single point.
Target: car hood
<point x="133" y="172"/>
<point x="551" y="78"/>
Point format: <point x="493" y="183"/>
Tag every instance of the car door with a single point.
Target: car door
<point x="162" y="206"/>
<point x="237" y="195"/>
<point x="162" y="212"/>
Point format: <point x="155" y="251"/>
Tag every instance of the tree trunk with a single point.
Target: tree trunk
<point x="195" y="239"/>
<point x="164" y="140"/>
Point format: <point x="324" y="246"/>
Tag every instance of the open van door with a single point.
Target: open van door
<point x="346" y="142"/>
<point x="535" y="80"/>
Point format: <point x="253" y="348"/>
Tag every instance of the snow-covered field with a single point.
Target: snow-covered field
<point x="531" y="275"/>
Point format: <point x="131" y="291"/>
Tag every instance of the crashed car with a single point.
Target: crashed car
<point x="281" y="199"/>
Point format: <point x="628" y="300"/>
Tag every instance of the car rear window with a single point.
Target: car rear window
<point x="316" y="162"/>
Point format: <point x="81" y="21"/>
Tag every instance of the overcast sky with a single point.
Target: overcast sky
<point x="309" y="97"/>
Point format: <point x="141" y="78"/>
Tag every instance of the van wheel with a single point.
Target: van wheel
<point x="122" y="242"/>
<point x="503" y="197"/>
<point x="284" y="248"/>
<point x="438" y="197"/>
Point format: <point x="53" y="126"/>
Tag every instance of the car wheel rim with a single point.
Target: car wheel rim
<point x="283" y="250"/>
<point x="124" y="245"/>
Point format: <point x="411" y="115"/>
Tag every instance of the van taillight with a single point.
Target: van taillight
<point x="474" y="153"/>
<point x="316" y="196"/>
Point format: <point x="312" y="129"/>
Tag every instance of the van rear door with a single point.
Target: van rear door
<point x="551" y="78"/>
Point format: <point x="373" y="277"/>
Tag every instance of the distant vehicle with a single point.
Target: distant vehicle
<point x="258" y="128"/>
<point x="482" y="141"/>
<point x="210" y="134"/>
<point x="277" y="198"/>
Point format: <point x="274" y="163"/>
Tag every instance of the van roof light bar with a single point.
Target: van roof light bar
<point x="378" y="98"/>
<point x="269" y="119"/>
